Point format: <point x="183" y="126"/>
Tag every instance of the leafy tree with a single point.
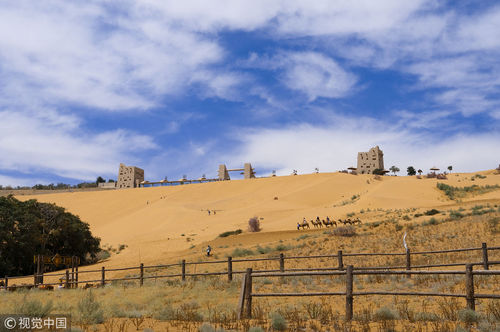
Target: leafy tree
<point x="99" y="180"/>
<point x="411" y="171"/>
<point x="378" y="171"/>
<point x="450" y="168"/>
<point x="394" y="169"/>
<point x="419" y="172"/>
<point x="29" y="228"/>
<point x="111" y="181"/>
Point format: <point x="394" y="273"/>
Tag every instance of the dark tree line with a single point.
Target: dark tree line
<point x="30" y="228"/>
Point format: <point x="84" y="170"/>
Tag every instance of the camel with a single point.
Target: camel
<point x="328" y="222"/>
<point x="316" y="224"/>
<point x="357" y="221"/>
<point x="303" y="225"/>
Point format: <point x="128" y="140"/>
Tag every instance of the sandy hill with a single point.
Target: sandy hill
<point x="157" y="223"/>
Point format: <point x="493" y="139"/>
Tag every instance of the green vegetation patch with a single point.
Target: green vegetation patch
<point x="228" y="233"/>
<point x="460" y="192"/>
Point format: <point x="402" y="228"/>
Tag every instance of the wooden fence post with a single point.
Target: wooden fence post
<point x="282" y="263"/>
<point x="348" y="293"/>
<point x="485" y="256"/>
<point x="66" y="282"/>
<point x="341" y="260"/>
<point x="6" y="283"/>
<point x="241" y="301"/>
<point x="141" y="278"/>
<point x="72" y="271"/>
<point x="183" y="270"/>
<point x="408" y="262"/>
<point x="469" y="287"/>
<point x="229" y="269"/>
<point x="248" y="294"/>
<point x="103" y="276"/>
<point x="76" y="276"/>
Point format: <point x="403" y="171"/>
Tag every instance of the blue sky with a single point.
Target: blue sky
<point x="177" y="87"/>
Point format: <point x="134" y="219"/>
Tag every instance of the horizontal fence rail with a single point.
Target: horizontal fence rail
<point x="245" y="301"/>
<point x="74" y="278"/>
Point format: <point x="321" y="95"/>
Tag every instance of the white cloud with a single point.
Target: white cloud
<point x="334" y="145"/>
<point x="88" y="54"/>
<point x="34" y="143"/>
<point x="317" y="75"/>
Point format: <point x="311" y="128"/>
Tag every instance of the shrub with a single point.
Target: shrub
<point x="34" y="308"/>
<point x="344" y="231"/>
<point x="240" y="252"/>
<point x="278" y="322"/>
<point x="384" y="314"/>
<point x="207" y="328"/>
<point x="264" y="250"/>
<point x="456" y="214"/>
<point x="165" y="312"/>
<point x="89" y="310"/>
<point x="441" y="177"/>
<point x="102" y="255"/>
<point x="254" y="224"/>
<point x="431" y="212"/>
<point x="228" y="233"/>
<point x="256" y="329"/>
<point x="468" y="316"/>
<point x="494" y="225"/>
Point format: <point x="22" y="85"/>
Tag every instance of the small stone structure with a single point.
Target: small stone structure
<point x="248" y="172"/>
<point x="370" y="161"/>
<point x="129" y="176"/>
<point x="107" y="185"/>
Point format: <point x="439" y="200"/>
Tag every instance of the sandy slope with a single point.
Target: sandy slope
<point x="156" y="222"/>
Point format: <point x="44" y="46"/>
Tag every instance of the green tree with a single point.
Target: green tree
<point x="378" y="171"/>
<point x="450" y="168"/>
<point x="411" y="171"/>
<point x="100" y="179"/>
<point x="394" y="169"/>
<point x="29" y="228"/>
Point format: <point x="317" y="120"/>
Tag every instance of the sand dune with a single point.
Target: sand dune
<point x="156" y="222"/>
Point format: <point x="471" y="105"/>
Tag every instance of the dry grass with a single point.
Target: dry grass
<point x="171" y="305"/>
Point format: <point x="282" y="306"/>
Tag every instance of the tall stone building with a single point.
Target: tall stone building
<point x="370" y="161"/>
<point x="129" y="176"/>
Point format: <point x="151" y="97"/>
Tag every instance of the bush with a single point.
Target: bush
<point x="278" y="322"/>
<point x="256" y="329"/>
<point x="34" y="308"/>
<point x="89" y="310"/>
<point x="240" y="252"/>
<point x="385" y="314"/>
<point x="468" y="316"/>
<point x="228" y="233"/>
<point x="344" y="231"/>
<point x="207" y="328"/>
<point x="254" y="225"/>
<point x="431" y="212"/>
<point x="165" y="312"/>
<point x="456" y="214"/>
<point x="102" y="255"/>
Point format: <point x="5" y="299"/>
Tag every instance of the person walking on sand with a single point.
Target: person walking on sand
<point x="208" y="212"/>
<point x="209" y="250"/>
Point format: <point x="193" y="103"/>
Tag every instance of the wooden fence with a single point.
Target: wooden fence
<point x="247" y="294"/>
<point x="71" y="278"/>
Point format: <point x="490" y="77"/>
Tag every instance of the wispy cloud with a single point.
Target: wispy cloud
<point x="34" y="143"/>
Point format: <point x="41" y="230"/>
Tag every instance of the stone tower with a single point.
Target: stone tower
<point x="129" y="176"/>
<point x="370" y="161"/>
